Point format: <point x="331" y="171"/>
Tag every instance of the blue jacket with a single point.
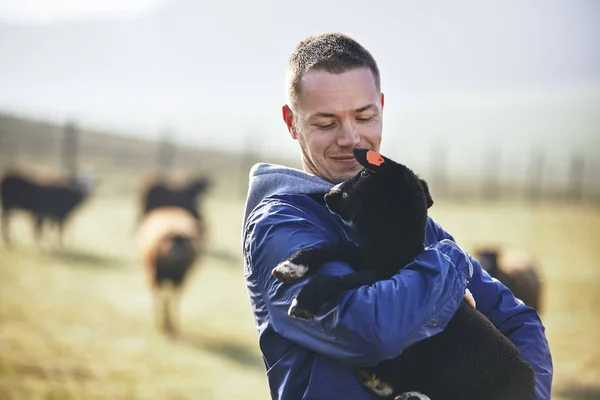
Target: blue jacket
<point x="315" y="359"/>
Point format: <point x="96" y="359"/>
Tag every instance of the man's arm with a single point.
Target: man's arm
<point x="369" y="324"/>
<point x="518" y="322"/>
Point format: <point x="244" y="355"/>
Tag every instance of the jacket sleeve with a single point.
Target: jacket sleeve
<point x="369" y="324"/>
<point x="518" y="322"/>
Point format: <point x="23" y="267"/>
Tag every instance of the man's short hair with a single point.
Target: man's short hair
<point x="331" y="52"/>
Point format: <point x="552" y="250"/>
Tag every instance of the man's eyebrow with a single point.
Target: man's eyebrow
<point x="365" y="108"/>
<point x="330" y="115"/>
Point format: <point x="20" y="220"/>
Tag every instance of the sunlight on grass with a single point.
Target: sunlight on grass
<point x="77" y="323"/>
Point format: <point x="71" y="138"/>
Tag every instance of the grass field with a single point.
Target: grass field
<point x="77" y="323"/>
<point x="565" y="241"/>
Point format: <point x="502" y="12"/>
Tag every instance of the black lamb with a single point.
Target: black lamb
<point x="386" y="207"/>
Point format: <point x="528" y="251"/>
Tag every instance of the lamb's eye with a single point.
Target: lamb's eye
<point x="364" y="173"/>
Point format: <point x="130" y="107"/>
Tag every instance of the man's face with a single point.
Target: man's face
<point x="334" y="114"/>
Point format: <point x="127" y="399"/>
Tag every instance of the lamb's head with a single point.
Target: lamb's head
<point x="488" y="258"/>
<point x="86" y="182"/>
<point x="383" y="194"/>
<point x="198" y="186"/>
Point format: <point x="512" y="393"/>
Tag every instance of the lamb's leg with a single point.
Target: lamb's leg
<point x="367" y="377"/>
<point x="38" y="229"/>
<point x="60" y="233"/>
<point x="299" y="263"/>
<point x="5" y="227"/>
<point x="174" y="303"/>
<point x="322" y="289"/>
<point x="163" y="309"/>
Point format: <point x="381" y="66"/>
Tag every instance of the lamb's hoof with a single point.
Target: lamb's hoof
<point x="370" y="380"/>
<point x="288" y="272"/>
<point x="412" y="396"/>
<point x="298" y="312"/>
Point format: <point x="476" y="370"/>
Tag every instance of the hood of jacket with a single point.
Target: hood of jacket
<point x="271" y="179"/>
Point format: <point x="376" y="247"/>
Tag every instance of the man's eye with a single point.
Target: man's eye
<point x="325" y="126"/>
<point x="365" y="119"/>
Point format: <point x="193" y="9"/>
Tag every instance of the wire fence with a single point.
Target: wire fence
<point x="532" y="177"/>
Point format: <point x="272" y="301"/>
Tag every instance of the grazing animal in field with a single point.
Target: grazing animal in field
<point x="51" y="200"/>
<point x="386" y="207"/>
<point x="159" y="192"/>
<point x="170" y="242"/>
<point x="517" y="270"/>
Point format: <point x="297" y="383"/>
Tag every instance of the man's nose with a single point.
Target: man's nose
<point x="349" y="136"/>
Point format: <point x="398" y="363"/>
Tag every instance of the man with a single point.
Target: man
<point x="335" y="104"/>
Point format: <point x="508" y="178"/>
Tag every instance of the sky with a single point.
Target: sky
<point x="470" y="75"/>
<point x="57" y="11"/>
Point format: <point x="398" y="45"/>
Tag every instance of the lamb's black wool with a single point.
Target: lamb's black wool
<point x="386" y="206"/>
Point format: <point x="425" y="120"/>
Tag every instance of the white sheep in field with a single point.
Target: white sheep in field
<point x="169" y="243"/>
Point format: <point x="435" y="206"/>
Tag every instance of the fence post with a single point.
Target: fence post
<point x="576" y="176"/>
<point x="165" y="154"/>
<point x="70" y="148"/>
<point x="439" y="161"/>
<point x="490" y="177"/>
<point x="5" y="153"/>
<point x="536" y="172"/>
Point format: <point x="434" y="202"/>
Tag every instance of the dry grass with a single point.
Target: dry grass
<point x="564" y="239"/>
<point x="77" y="323"/>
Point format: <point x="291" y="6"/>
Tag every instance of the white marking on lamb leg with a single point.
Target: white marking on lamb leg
<point x="288" y="272"/>
<point x="412" y="396"/>
<point x="349" y="224"/>
<point x="294" y="312"/>
<point x="378" y="386"/>
<point x="292" y="308"/>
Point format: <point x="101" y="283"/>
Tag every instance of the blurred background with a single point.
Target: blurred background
<point x="496" y="104"/>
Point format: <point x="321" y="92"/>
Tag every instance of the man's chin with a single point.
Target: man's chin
<point x="344" y="176"/>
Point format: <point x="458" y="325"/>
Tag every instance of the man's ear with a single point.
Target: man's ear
<point x="288" y="118"/>
<point x="428" y="197"/>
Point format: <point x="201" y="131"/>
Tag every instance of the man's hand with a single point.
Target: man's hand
<point x="469" y="298"/>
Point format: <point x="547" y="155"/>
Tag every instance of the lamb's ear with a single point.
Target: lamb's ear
<point x="369" y="159"/>
<point x="427" y="193"/>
